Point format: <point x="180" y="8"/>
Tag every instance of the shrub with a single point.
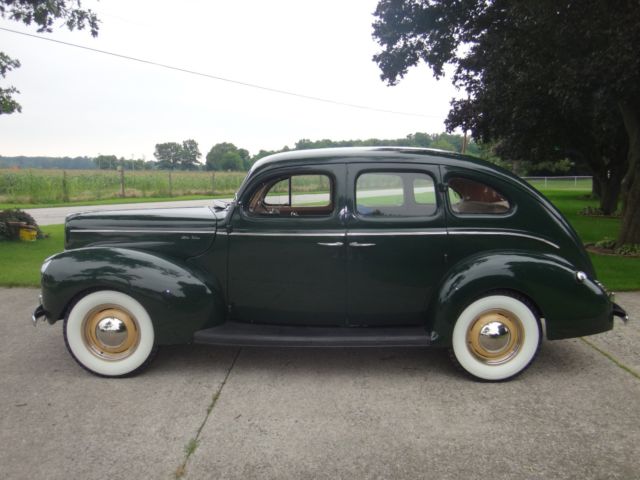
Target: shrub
<point x="8" y="219"/>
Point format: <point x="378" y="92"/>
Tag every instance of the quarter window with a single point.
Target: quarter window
<point x="293" y="196"/>
<point x="395" y="194"/>
<point x="471" y="197"/>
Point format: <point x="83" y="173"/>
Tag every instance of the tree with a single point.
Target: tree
<point x="190" y="155"/>
<point x="546" y="80"/>
<point x="226" y="156"/>
<point x="106" y="162"/>
<point x="169" y="155"/>
<point x="44" y="14"/>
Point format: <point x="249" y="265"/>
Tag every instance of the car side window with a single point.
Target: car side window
<point x="293" y="196"/>
<point x="395" y="194"/>
<point x="472" y="197"/>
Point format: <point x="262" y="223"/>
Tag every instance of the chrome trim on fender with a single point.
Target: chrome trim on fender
<point x="503" y="233"/>
<point x="140" y="230"/>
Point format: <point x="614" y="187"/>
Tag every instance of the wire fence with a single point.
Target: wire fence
<point x="561" y="183"/>
<point x="59" y="186"/>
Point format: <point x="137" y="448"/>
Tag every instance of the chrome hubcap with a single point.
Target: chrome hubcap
<point x="111" y="333"/>
<point x="496" y="336"/>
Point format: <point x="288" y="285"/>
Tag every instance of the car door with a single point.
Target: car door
<point x="397" y="240"/>
<point x="287" y="255"/>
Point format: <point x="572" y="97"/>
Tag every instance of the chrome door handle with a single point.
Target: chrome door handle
<point x="330" y="244"/>
<point x="358" y="244"/>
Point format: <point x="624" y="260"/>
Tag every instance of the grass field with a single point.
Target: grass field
<point x="20" y="261"/>
<point x="30" y="187"/>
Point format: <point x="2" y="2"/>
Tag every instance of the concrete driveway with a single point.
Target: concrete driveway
<point x="201" y="412"/>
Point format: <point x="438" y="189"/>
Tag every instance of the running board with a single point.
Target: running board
<point x="258" y="335"/>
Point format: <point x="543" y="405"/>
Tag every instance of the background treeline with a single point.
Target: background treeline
<point x="226" y="156"/>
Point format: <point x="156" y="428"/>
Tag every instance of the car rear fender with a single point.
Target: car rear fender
<point x="178" y="300"/>
<point x="570" y="307"/>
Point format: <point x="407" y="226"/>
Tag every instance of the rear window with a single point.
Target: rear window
<point x="472" y="197"/>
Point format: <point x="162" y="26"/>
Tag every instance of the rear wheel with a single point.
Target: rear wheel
<point x="110" y="334"/>
<point x="496" y="337"/>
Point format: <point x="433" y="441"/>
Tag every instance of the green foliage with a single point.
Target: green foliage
<point x="545" y="80"/>
<point x="190" y="155"/>
<point x="7" y="103"/>
<point x="10" y="222"/>
<point x="629" y="249"/>
<point x="227" y="157"/>
<point x="168" y="155"/>
<point x="442" y="141"/>
<point x="44" y="14"/>
<point x="175" y="156"/>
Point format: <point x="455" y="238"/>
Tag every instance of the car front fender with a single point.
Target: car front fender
<point x="178" y="301"/>
<point x="570" y="307"/>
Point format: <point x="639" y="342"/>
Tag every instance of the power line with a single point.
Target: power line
<point x="222" y="79"/>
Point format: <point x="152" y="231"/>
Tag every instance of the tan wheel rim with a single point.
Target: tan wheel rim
<point x="110" y="332"/>
<point x="495" y="336"/>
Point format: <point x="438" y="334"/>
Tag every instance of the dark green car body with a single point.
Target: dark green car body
<point x="197" y="268"/>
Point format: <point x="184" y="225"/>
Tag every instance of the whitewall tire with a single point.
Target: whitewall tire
<point x="496" y="337"/>
<point x="110" y="334"/>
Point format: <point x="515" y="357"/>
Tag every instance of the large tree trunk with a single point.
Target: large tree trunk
<point x="608" y="183"/>
<point x="630" y="230"/>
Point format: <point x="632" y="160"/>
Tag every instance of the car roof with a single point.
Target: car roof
<point x="381" y="153"/>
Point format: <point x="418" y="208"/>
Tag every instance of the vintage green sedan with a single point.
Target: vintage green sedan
<point x="338" y="247"/>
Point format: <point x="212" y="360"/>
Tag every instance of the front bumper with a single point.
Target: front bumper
<point x="37" y="313"/>
<point x="620" y="312"/>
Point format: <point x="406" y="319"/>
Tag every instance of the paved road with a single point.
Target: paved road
<point x="310" y="413"/>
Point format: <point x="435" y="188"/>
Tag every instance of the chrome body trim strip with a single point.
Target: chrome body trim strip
<point x="286" y="234"/>
<point x="503" y="233"/>
<point x="140" y="230"/>
<point x="395" y="233"/>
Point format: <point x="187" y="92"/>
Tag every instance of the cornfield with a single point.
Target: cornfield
<point x="57" y="186"/>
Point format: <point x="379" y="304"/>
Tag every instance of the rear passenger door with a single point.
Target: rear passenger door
<point x="396" y="242"/>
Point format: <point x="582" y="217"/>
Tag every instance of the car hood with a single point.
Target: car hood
<point x="175" y="232"/>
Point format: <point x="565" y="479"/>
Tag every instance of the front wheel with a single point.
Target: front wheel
<point x="110" y="334"/>
<point x="496" y="337"/>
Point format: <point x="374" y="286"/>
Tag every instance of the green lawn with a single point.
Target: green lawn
<point x="617" y="273"/>
<point x="20" y="261"/>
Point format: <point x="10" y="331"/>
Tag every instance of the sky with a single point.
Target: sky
<point x="81" y="103"/>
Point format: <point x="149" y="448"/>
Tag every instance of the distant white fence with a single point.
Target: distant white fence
<point x="565" y="182"/>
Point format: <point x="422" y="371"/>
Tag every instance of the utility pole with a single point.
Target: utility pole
<point x="464" y="142"/>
